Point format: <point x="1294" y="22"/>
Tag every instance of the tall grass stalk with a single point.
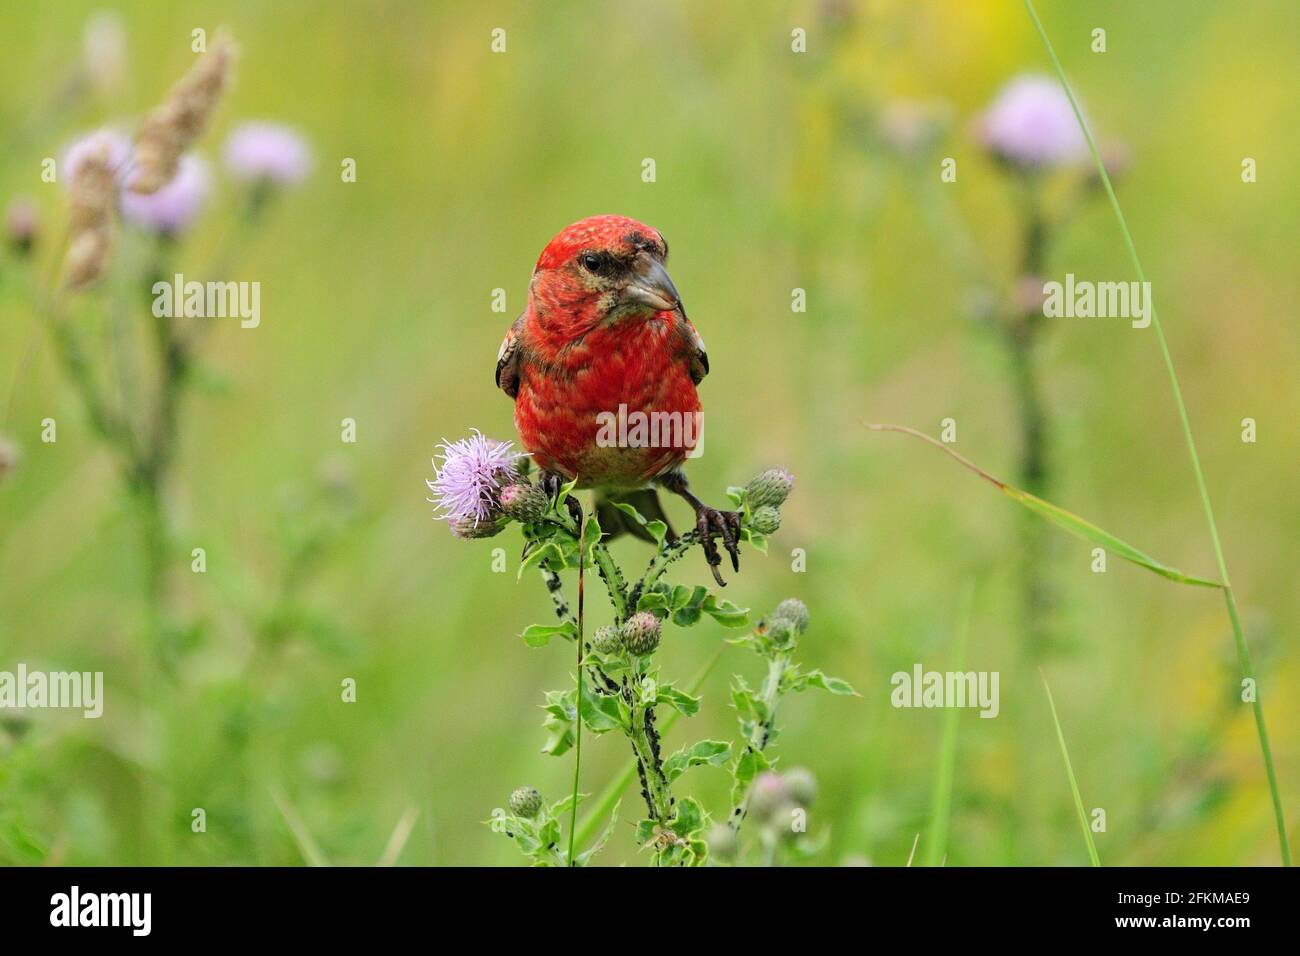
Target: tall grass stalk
<point x="941" y="802"/>
<point x="1243" y="652"/>
<point x="1069" y="772"/>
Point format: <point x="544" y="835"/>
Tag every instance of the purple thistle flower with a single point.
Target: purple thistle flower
<point x="473" y="471"/>
<point x="1032" y="125"/>
<point x="174" y="207"/>
<point x="267" y="151"/>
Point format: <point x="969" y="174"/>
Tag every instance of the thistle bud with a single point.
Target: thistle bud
<point x="779" y="631"/>
<point x="471" y="527"/>
<point x="794" y="612"/>
<point x="723" y="842"/>
<point x="768" y="796"/>
<point x="801" y="786"/>
<point x="526" y="802"/>
<point x="21" y="225"/>
<point x="607" y="640"/>
<point x="524" y="502"/>
<point x="641" y="633"/>
<point x="765" y="520"/>
<point x="772" y="487"/>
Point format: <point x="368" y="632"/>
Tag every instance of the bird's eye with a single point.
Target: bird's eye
<point x="592" y="262"/>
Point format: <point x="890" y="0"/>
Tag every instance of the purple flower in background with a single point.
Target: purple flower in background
<point x="267" y="151"/>
<point x="174" y="207"/>
<point x="473" y="470"/>
<point x="119" y="152"/>
<point x="1032" y="125"/>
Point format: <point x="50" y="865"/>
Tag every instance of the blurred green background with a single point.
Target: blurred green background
<point x="770" y="176"/>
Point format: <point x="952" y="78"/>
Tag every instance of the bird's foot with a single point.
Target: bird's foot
<point x="711" y="523"/>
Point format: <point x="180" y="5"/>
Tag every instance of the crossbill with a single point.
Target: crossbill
<point x="605" y="336"/>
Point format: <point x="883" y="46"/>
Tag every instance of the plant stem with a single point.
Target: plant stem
<point x="1022" y="339"/>
<point x="941" y="799"/>
<point x="1243" y="652"/>
<point x="659" y="800"/>
<point x="762" y="731"/>
<point x="613" y="578"/>
<point x="611" y="794"/>
<point x="577" y="749"/>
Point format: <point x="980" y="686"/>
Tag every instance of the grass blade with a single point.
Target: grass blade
<point x="307" y="846"/>
<point x="1229" y="598"/>
<point x="1069" y="772"/>
<point x="941" y="801"/>
<point x="397" y="841"/>
<point x="1079" y="527"/>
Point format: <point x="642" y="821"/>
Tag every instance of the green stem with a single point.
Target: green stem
<point x="658" y="796"/>
<point x="941" y="798"/>
<point x="762" y="731"/>
<point x="1243" y="652"/>
<point x="604" y="803"/>
<point x="613" y="578"/>
<point x="577" y="749"/>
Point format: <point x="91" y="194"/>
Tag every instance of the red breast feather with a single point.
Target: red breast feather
<point x="635" y="362"/>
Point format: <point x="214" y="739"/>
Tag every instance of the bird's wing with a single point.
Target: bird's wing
<point x="695" y="352"/>
<point x="507" y="376"/>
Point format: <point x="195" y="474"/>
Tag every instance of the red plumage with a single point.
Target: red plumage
<point x="593" y="339"/>
<point x="605" y="337"/>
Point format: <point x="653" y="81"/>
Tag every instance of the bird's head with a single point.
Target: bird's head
<point x="601" y="269"/>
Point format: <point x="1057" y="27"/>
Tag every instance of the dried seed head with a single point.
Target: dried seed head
<point x="174" y="126"/>
<point x="92" y="168"/>
<point x="794" y="612"/>
<point x="641" y="633"/>
<point x="87" y="259"/>
<point x="608" y="639"/>
<point x="526" y="802"/>
<point x="524" y="502"/>
<point x="765" y="520"/>
<point x="92" y="186"/>
<point x="772" y="487"/>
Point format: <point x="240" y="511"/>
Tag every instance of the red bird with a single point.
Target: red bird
<point x="605" y="337"/>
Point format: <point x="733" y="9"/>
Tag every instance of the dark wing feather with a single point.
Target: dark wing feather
<point x="507" y="376"/>
<point x="699" y="358"/>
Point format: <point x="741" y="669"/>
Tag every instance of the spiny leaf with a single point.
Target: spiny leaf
<point x="657" y="529"/>
<point x="715" y="753"/>
<point x="539" y="635"/>
<point x="818" y="679"/>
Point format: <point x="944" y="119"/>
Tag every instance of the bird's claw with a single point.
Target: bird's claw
<point x="711" y="522"/>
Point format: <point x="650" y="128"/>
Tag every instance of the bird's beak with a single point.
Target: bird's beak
<point x="651" y="285"/>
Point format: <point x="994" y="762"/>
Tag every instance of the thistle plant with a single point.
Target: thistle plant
<point x="482" y="486"/>
<point x="132" y="202"/>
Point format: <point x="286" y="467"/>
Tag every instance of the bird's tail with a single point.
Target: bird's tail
<point x="614" y="522"/>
